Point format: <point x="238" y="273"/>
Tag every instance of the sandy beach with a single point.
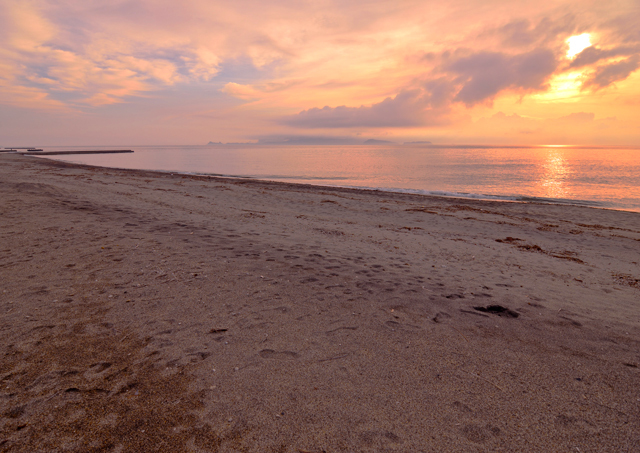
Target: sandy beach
<point x="148" y="312"/>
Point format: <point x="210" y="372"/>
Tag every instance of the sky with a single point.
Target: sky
<point x="161" y="72"/>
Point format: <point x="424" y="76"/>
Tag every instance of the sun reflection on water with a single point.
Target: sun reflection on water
<point x="554" y="174"/>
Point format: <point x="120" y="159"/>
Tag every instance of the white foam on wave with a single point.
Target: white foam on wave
<point x="486" y="197"/>
<point x="433" y="193"/>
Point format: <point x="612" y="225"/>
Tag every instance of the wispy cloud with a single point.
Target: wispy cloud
<point x="593" y="54"/>
<point x="427" y="105"/>
<point x="485" y="74"/>
<point x="607" y="74"/>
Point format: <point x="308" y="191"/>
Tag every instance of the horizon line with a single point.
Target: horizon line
<point x="407" y="144"/>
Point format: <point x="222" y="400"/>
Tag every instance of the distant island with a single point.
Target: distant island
<point x="229" y="143"/>
<point x="317" y="141"/>
<point x="373" y="141"/>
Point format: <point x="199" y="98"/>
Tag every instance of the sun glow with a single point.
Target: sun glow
<point x="563" y="87"/>
<point x="577" y="44"/>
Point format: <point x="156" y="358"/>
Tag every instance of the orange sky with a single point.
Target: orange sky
<point x="163" y="72"/>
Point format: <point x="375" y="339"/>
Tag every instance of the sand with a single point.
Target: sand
<point x="153" y="312"/>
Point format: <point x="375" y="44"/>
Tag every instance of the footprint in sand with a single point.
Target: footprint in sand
<point x="278" y="355"/>
<point x="498" y="310"/>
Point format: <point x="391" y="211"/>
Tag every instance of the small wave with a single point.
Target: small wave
<point x="300" y="178"/>
<point x="265" y="177"/>
<point x="435" y="193"/>
<point x="489" y="197"/>
<point x="568" y="201"/>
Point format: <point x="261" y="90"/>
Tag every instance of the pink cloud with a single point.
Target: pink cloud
<point x="593" y="54"/>
<point x="485" y="74"/>
<point x="614" y="72"/>
<point x="408" y="108"/>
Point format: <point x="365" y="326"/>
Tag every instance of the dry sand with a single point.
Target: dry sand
<point x="153" y="312"/>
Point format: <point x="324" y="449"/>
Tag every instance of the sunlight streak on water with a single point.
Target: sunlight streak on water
<point x="555" y="172"/>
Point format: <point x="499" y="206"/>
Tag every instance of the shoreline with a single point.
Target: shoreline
<point x="435" y="193"/>
<point x="144" y="311"/>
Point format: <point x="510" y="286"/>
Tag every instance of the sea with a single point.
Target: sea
<point x="600" y="177"/>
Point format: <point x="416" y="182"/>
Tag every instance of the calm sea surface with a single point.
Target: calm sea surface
<point x="603" y="177"/>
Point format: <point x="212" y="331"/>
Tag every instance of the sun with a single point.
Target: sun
<point x="577" y="44"/>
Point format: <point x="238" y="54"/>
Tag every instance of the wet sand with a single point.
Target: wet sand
<point x="154" y="312"/>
